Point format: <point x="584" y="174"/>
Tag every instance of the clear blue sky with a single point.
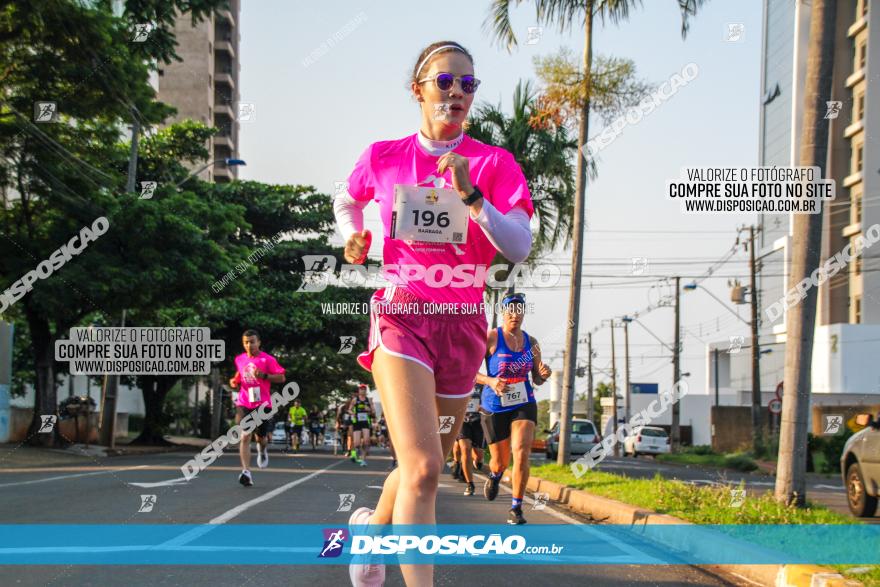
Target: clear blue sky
<point x="312" y="122"/>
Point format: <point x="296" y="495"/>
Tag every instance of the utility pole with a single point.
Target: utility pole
<point x="614" y="394"/>
<point x="110" y="389"/>
<point x="715" y="353"/>
<point x="196" y="414"/>
<point x="676" y="367"/>
<point x="800" y="320"/>
<point x="590" y="376"/>
<point x="626" y="409"/>
<point x="133" y="155"/>
<point x="216" y="402"/>
<point x="757" y="431"/>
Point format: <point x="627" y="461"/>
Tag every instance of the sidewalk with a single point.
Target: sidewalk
<point x="20" y="455"/>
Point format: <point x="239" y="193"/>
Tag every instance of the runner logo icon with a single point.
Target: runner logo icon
<point x="334" y="541"/>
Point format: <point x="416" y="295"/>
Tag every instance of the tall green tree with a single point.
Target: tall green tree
<point x="544" y="152"/>
<point x="566" y="14"/>
<point x="58" y="177"/>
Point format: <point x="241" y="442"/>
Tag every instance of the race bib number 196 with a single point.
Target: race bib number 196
<point x="428" y="214"/>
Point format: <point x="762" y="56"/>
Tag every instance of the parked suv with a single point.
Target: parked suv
<point x="583" y="438"/>
<point x="860" y="465"/>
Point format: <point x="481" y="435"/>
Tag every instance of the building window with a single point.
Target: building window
<point x="861" y="51"/>
<point x="161" y="72"/>
<point x="861" y="9"/>
<point x="857" y="309"/>
<point x="210" y="47"/>
<point x="859" y="105"/>
<point x="855" y="197"/>
<point x="858" y="151"/>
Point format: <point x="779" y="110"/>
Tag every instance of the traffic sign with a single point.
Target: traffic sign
<point x="775" y="406"/>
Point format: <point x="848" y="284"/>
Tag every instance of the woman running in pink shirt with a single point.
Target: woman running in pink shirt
<point x="448" y="204"/>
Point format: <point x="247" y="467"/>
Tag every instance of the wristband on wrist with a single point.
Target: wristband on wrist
<point x="473" y="197"/>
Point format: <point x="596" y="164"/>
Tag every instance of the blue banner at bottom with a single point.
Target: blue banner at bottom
<point x="268" y="544"/>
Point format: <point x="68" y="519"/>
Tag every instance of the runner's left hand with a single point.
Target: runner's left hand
<point x="461" y="175"/>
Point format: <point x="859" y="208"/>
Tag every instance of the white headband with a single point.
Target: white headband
<point x="431" y="54"/>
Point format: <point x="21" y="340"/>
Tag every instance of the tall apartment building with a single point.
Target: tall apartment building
<point x="847" y="337"/>
<point x="204" y="86"/>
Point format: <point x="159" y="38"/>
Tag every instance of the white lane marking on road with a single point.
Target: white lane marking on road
<point x="177" y="481"/>
<point x="834" y="487"/>
<point x="239" y="509"/>
<point x="60" y="477"/>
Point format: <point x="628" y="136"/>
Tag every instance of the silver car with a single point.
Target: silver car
<point x="583" y="438"/>
<point x="860" y="465"/>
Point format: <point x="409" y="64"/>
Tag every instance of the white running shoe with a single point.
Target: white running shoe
<point x="246" y="479"/>
<point x="263" y="458"/>
<point x="364" y="575"/>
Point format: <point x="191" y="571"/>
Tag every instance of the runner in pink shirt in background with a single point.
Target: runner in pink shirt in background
<point x="256" y="371"/>
<point x="448" y="204"/>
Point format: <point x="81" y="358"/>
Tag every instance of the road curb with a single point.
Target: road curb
<point x="603" y="509"/>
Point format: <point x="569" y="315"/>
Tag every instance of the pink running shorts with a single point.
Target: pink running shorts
<point x="449" y="342"/>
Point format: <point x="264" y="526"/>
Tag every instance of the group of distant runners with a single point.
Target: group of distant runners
<point x="455" y="202"/>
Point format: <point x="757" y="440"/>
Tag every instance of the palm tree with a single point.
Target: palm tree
<point x="806" y="242"/>
<point x="564" y="13"/>
<point x="544" y="155"/>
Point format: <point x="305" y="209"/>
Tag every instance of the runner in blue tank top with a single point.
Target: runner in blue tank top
<point x="508" y="409"/>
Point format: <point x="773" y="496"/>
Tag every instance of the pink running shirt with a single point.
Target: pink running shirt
<point x="493" y="170"/>
<point x="245" y="365"/>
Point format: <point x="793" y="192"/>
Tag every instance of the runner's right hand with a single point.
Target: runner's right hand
<point x="498" y="385"/>
<point x="358" y="246"/>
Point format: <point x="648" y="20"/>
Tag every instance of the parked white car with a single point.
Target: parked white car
<point x="279" y="434"/>
<point x="649" y="440"/>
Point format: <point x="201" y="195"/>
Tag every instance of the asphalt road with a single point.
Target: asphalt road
<point x="295" y="489"/>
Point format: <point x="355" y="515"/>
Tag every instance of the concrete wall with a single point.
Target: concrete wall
<point x="844" y="359"/>
<point x="72" y="430"/>
<point x="733" y="427"/>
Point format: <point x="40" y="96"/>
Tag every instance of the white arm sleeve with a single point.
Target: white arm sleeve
<point x="511" y="233"/>
<point x="349" y="215"/>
